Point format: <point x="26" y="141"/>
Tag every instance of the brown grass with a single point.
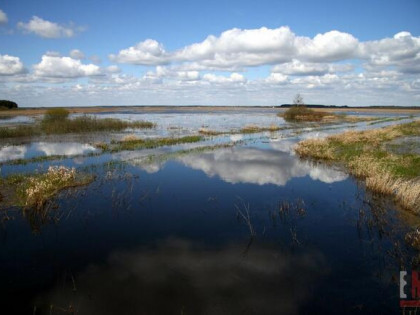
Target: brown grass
<point x="208" y="132"/>
<point x="364" y="155"/>
<point x="128" y="138"/>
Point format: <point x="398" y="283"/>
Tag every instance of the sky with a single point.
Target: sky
<point x="91" y="52"/>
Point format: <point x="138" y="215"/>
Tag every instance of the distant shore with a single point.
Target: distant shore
<point x="157" y="109"/>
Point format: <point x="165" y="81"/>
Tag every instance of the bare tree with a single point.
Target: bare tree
<point x="298" y="100"/>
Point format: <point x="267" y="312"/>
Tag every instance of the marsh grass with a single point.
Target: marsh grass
<point x="19" y="131"/>
<point x="244" y="130"/>
<point x="365" y="155"/>
<point x="208" y="132"/>
<point x="134" y="143"/>
<point x="56" y="121"/>
<point x="90" y="124"/>
<point x="35" y="190"/>
<point x="243" y="212"/>
<point x="303" y="114"/>
<point x="256" y="129"/>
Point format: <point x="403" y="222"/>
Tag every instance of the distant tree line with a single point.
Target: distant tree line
<point x="313" y="105"/>
<point x="8" y="104"/>
<point x="351" y="107"/>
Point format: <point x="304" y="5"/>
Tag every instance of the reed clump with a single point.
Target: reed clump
<point x="19" y="131"/>
<point x="364" y="154"/>
<point x="256" y="129"/>
<point x="35" y="190"/>
<point x="88" y="124"/>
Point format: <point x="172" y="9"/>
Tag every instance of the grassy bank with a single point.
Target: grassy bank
<point x="365" y="154"/>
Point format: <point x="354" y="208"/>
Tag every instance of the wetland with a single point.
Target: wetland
<point x="206" y="211"/>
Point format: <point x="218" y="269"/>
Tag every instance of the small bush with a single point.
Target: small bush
<point x="302" y="113"/>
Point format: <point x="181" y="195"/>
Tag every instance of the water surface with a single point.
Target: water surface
<point x="249" y="228"/>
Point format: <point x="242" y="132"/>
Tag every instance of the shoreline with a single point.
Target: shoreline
<point x="157" y="109"/>
<point x="365" y="155"/>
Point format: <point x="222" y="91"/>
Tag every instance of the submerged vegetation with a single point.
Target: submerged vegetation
<point x="57" y="121"/>
<point x="365" y="154"/>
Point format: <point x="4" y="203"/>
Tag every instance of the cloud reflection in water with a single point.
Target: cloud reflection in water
<point x="12" y="152"/>
<point x="257" y="166"/>
<point x="179" y="277"/>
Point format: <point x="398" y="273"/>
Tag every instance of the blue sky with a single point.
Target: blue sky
<point x="82" y="53"/>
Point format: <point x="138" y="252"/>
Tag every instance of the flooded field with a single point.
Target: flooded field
<point x="235" y="223"/>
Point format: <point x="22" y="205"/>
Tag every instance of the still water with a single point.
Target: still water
<point x="244" y="229"/>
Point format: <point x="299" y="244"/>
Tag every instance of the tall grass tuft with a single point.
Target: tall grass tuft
<point x="34" y="191"/>
<point x="19" y="131"/>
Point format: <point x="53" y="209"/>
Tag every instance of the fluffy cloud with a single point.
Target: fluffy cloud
<point x="240" y="48"/>
<point x="234" y="77"/>
<point x="331" y="46"/>
<point x="77" y="54"/>
<point x="3" y="17"/>
<point x="233" y="68"/>
<point x="10" y="65"/>
<point x="149" y="52"/>
<point x="277" y="78"/>
<point x="401" y="51"/>
<point x="64" y="67"/>
<point x="237" y="48"/>
<point x="172" y="73"/>
<point x="47" y="29"/>
<point x="299" y="68"/>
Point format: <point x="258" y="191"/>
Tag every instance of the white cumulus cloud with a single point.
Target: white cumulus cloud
<point x="234" y="77"/>
<point x="3" y="17"/>
<point x="300" y="68"/>
<point x="77" y="54"/>
<point x="239" y="48"/>
<point x="10" y="65"/>
<point x="331" y="46"/>
<point x="148" y="52"/>
<point x="47" y="29"/>
<point x="64" y="67"/>
<point x="401" y="51"/>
